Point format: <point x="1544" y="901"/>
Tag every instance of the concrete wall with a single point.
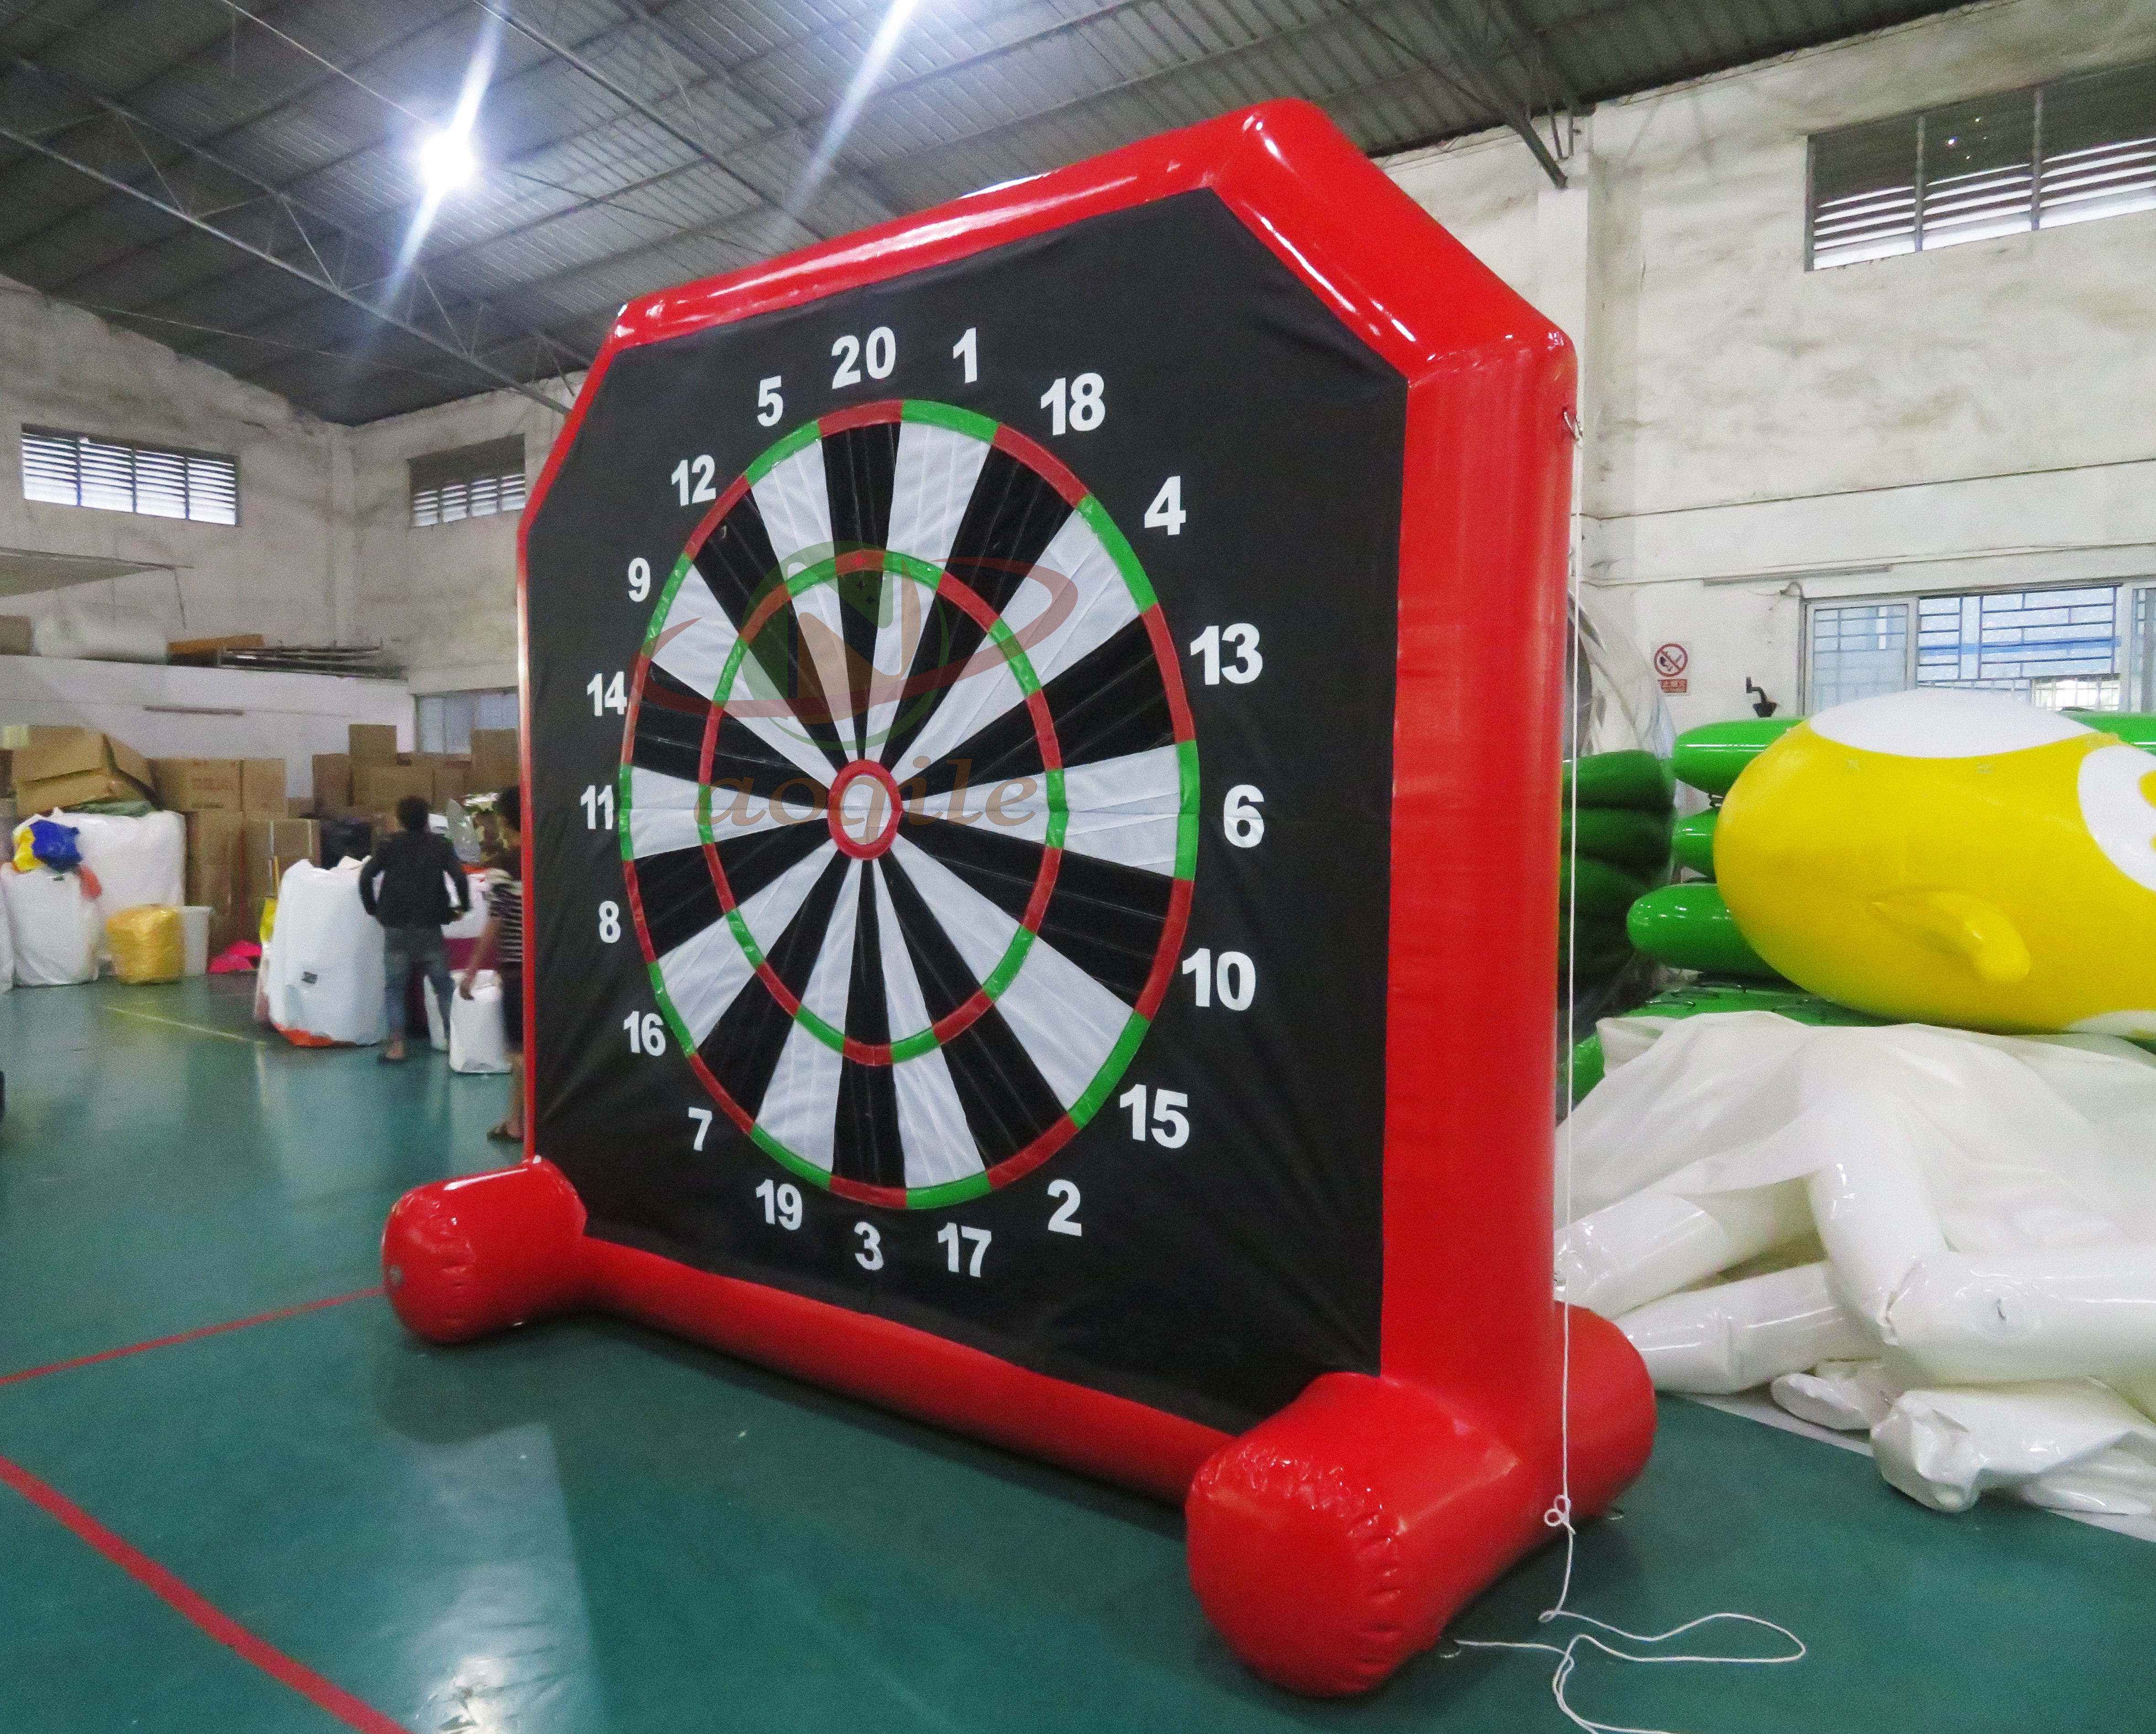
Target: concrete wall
<point x="203" y="713"/>
<point x="443" y="599"/>
<point x="281" y="571"/>
<point x="1757" y="434"/>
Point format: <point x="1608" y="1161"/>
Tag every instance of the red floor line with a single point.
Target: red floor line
<point x="228" y="1631"/>
<point x="188" y="1336"/>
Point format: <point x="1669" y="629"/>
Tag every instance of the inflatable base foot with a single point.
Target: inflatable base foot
<point x="1335" y="1540"/>
<point x="465" y="1257"/>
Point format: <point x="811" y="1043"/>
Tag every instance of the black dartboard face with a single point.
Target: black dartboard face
<point x="961" y="728"/>
<point x="909" y="804"/>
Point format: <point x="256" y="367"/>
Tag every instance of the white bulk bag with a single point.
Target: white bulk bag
<point x="7" y="946"/>
<point x="474" y="1038"/>
<point x="322" y="973"/>
<point x="54" y="927"/>
<point x="136" y="861"/>
<point x="472" y="926"/>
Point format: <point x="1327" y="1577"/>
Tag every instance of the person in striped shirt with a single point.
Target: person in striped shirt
<point x="501" y="948"/>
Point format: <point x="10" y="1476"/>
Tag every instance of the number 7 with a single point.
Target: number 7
<point x="703" y="1116"/>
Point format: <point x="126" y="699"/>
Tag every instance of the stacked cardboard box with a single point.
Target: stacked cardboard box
<point x="494" y="764"/>
<point x="271" y="844"/>
<point x="68" y="767"/>
<point x="224" y="799"/>
<point x="372" y="776"/>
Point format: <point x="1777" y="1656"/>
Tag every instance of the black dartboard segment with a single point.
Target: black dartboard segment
<point x="822" y="1001"/>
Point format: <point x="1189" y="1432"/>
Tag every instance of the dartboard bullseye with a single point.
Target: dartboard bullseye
<point x="908" y="803"/>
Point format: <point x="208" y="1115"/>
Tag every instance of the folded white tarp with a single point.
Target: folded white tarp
<point x="1987" y="1206"/>
<point x="474" y="1038"/>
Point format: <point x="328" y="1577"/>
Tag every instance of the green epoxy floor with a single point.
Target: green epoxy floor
<point x="584" y="1526"/>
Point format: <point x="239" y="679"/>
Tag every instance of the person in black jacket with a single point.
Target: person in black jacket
<point x="412" y="885"/>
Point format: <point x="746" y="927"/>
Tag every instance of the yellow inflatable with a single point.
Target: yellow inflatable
<point x="1951" y="857"/>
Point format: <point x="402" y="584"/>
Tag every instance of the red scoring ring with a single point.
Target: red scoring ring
<point x="962" y="1018"/>
<point x="858" y="770"/>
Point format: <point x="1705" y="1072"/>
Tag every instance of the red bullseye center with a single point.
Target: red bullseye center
<point x="866" y="809"/>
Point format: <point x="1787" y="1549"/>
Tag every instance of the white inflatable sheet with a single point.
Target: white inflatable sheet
<point x="1987" y="1206"/>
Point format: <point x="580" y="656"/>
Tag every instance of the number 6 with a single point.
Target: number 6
<point x="1239" y="817"/>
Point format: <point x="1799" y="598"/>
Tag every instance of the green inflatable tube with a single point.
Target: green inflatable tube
<point x="1594" y="887"/>
<point x="1693" y="842"/>
<point x="2135" y="728"/>
<point x="1623" y="835"/>
<point x="1710" y="757"/>
<point x="1689" y="927"/>
<point x="1634" y="780"/>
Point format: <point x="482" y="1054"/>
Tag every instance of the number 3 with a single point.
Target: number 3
<point x="870" y="1256"/>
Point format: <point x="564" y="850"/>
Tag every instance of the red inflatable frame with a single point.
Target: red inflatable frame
<point x="1336" y="1538"/>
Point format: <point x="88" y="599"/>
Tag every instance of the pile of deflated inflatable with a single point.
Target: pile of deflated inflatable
<point x="1893" y="1155"/>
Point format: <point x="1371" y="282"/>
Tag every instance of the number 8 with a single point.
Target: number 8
<point x="610" y="922"/>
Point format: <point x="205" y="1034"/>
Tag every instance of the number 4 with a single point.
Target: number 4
<point x="1166" y="512"/>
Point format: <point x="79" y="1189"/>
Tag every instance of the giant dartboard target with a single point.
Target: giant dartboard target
<point x="961" y="733"/>
<point x="1042" y="798"/>
<point x="911" y="803"/>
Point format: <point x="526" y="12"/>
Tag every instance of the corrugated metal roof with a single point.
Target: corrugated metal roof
<point x="631" y="144"/>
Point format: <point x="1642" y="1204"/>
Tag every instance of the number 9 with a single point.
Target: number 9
<point x="639" y="578"/>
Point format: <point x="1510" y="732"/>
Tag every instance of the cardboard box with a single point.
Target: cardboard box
<point x="217" y="873"/>
<point x="378" y="788"/>
<point x="273" y="845"/>
<point x="66" y="767"/>
<point x="371" y="743"/>
<point x="262" y="786"/>
<point x="332" y="781"/>
<point x="299" y="806"/>
<point x="495" y="762"/>
<point x="198" y="786"/>
<point x="451" y="783"/>
<point x="16" y="635"/>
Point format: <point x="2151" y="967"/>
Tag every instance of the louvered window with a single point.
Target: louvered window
<point x="470" y="481"/>
<point x="2053" y="154"/>
<point x="64" y="469"/>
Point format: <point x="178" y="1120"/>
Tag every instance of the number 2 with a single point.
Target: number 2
<point x="1065" y="1219"/>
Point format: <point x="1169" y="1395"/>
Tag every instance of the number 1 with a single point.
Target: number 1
<point x="967" y="349"/>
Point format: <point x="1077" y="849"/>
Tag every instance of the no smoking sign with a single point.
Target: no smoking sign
<point x="1670" y="661"/>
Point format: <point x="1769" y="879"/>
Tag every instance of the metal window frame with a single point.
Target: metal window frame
<point x="1923" y="117"/>
<point x="2128" y="588"/>
<point x="134" y="449"/>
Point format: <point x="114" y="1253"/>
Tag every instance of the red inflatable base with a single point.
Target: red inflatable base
<point x="1328" y="1544"/>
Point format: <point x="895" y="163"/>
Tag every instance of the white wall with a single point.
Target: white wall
<point x="442" y="599"/>
<point x="1985" y="415"/>
<point x="166" y="712"/>
<point x="277" y="572"/>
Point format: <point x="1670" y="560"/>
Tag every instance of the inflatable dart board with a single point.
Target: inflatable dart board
<point x="1042" y="801"/>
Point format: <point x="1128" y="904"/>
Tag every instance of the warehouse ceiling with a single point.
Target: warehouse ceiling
<point x="243" y="180"/>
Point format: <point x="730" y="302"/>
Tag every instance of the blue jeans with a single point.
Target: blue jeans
<point x="404" y="949"/>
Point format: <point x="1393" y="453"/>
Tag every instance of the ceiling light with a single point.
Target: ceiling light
<point x="447" y="161"/>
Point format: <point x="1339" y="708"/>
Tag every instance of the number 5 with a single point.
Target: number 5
<point x="770" y="405"/>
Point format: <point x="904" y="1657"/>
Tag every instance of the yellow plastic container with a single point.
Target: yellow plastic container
<point x="148" y="944"/>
